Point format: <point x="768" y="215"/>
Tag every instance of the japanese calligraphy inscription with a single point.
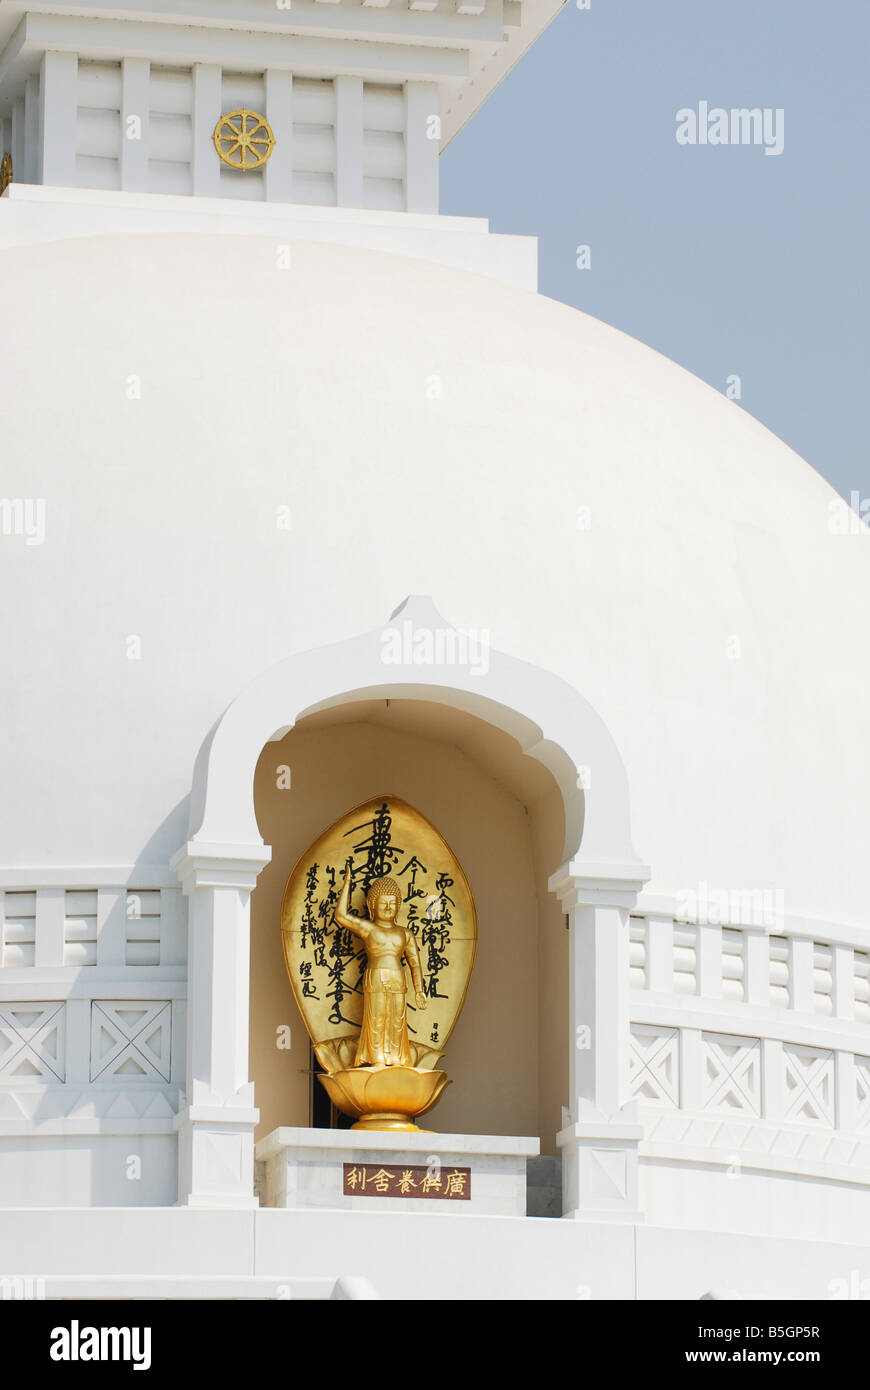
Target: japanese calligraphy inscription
<point x="379" y="932"/>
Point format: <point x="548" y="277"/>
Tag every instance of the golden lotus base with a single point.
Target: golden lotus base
<point x="384" y="1097"/>
<point x="389" y="1122"/>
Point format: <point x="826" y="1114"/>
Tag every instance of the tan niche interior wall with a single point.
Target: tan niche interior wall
<point x="493" y="1056"/>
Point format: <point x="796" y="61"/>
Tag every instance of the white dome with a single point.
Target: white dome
<point x="432" y="431"/>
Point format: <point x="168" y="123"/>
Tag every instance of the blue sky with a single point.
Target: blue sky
<point x="724" y="258"/>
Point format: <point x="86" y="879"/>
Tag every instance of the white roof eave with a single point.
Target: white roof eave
<point x="489" y="62"/>
<point x="491" y="67"/>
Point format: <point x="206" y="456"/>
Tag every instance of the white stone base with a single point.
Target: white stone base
<point x="599" y="1172"/>
<point x="304" y="1168"/>
<point x="178" y="1253"/>
<point x="30" y="213"/>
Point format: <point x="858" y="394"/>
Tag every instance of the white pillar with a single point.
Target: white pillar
<point x="422" y="146"/>
<point x="757" y="965"/>
<point x="349" y="142"/>
<point x="843" y="984"/>
<point x="33" y="141"/>
<point x="216" y="1131"/>
<point x="708" y="964"/>
<point x="846" y="1091"/>
<point x="660" y="953"/>
<point x="773" y="1097"/>
<point x="207" y="112"/>
<point x="800" y="959"/>
<point x="78" y="1042"/>
<point x="49" y="930"/>
<point x="19" y="170"/>
<point x="599" y="1145"/>
<point x="112" y="927"/>
<point x="135" y="113"/>
<point x="58" y="119"/>
<point x="279" y="114"/>
<point x="692" y="1075"/>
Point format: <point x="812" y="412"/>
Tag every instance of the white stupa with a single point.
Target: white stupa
<point x="244" y="415"/>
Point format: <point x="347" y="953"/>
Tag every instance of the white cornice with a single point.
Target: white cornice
<point x="467" y="53"/>
<point x="308" y="54"/>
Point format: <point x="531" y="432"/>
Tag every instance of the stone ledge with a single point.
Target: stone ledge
<point x="304" y="1169"/>
<point x="392" y="1141"/>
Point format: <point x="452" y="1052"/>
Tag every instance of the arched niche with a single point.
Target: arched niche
<point x="595" y="883"/>
<point x="502" y="813"/>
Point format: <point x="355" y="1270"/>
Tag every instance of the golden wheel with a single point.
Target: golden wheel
<point x="5" y="172"/>
<point x="244" y="140"/>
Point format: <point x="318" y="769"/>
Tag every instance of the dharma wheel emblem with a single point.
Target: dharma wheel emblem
<point x="244" y="140"/>
<point x="5" y="172"/>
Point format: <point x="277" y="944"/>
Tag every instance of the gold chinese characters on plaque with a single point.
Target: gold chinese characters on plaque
<point x="398" y="1180"/>
<point x="379" y="932"/>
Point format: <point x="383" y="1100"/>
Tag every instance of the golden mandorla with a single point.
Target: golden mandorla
<point x="379" y="932"/>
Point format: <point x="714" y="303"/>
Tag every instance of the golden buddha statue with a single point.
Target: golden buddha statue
<point x="378" y="1053"/>
<point x="383" y="1039"/>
